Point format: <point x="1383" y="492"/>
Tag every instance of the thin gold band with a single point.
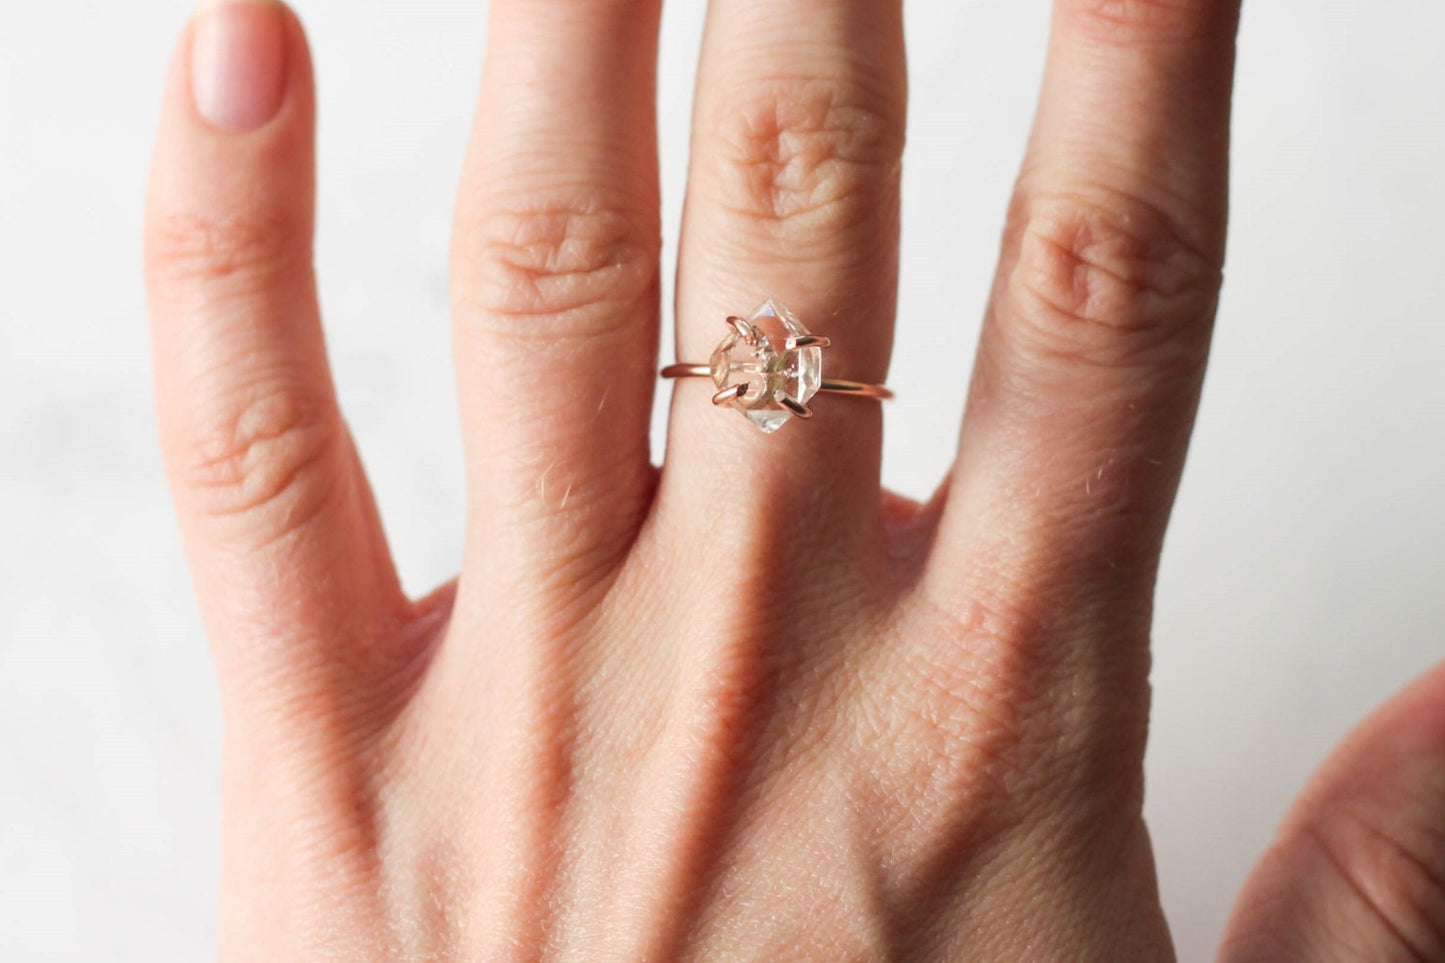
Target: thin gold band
<point x="859" y="389"/>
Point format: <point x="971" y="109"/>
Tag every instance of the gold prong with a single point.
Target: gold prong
<point x="796" y="407"/>
<point x="730" y="393"/>
<point x="805" y="341"/>
<point x="743" y="329"/>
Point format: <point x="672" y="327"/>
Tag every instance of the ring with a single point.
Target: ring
<point x="769" y="385"/>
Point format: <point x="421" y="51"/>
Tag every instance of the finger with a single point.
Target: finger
<point x="1357" y="871"/>
<point x="797" y="138"/>
<point x="287" y="554"/>
<point x="555" y="284"/>
<point x="1094" y="345"/>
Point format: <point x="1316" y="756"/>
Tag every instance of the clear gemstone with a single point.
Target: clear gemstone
<point x="758" y="358"/>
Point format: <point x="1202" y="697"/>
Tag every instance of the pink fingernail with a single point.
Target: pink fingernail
<point x="238" y="63"/>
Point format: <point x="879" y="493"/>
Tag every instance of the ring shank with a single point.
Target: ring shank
<point x="860" y="389"/>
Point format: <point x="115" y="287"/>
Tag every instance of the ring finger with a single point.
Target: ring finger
<point x="793" y="194"/>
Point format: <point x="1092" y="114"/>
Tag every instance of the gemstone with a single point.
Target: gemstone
<point x="755" y="354"/>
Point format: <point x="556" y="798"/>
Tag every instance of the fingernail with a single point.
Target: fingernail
<point x="238" y="63"/>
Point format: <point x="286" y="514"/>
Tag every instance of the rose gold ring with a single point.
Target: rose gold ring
<point x="768" y="384"/>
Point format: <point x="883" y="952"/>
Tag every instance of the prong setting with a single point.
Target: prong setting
<point x="744" y="330"/>
<point x="768" y="367"/>
<point x="731" y="393"/>
<point x="796" y="407"/>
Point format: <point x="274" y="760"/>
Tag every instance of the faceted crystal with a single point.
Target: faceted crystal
<point x="758" y="358"/>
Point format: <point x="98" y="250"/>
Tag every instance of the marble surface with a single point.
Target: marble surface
<point x="1301" y="582"/>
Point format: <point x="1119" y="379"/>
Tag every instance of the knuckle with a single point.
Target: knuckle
<point x="188" y="247"/>
<point x="1112" y="281"/>
<point x="581" y="260"/>
<point x="274" y="456"/>
<point x="1143" y="21"/>
<point x="808" y="153"/>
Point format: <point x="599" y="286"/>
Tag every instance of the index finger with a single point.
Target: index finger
<point x="1094" y="346"/>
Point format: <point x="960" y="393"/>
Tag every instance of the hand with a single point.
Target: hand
<point x="744" y="706"/>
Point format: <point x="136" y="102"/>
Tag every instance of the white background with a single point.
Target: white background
<point x="1302" y="576"/>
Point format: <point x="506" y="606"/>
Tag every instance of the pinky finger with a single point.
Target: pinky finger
<point x="285" y="548"/>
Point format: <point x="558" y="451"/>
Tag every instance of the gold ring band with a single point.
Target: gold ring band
<point x="768" y="366"/>
<point x="857" y="388"/>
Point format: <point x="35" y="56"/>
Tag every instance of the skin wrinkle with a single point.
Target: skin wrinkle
<point x="242" y="250"/>
<point x="1391" y="848"/>
<point x="1342" y="872"/>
